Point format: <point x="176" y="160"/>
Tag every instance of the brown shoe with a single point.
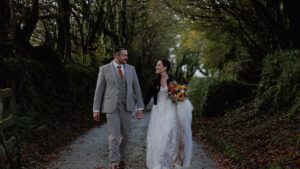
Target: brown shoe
<point x="100" y="168"/>
<point x="121" y="165"/>
<point x="115" y="167"/>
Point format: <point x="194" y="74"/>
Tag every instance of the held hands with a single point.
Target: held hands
<point x="139" y="114"/>
<point x="96" y="116"/>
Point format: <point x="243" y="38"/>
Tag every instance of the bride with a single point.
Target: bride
<point x="169" y="137"/>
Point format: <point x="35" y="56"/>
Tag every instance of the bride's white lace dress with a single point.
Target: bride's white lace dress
<point x="169" y="137"/>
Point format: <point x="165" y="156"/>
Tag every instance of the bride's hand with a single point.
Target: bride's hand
<point x="139" y="114"/>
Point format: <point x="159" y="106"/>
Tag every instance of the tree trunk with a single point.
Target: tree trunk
<point x="178" y="72"/>
<point x="31" y="22"/>
<point x="63" y="23"/>
<point x="4" y="22"/>
<point x="24" y="30"/>
<point x="82" y="39"/>
<point x="124" y="34"/>
<point x="292" y="11"/>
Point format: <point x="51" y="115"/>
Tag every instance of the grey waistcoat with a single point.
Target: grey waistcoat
<point x="122" y="90"/>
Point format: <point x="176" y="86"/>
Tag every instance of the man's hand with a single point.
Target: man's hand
<point x="139" y="114"/>
<point x="96" y="116"/>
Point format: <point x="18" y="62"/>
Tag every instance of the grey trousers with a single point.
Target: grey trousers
<point x="119" y="125"/>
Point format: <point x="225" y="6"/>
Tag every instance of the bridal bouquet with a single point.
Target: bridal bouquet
<point x="176" y="92"/>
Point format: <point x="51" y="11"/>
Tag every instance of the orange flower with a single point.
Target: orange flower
<point x="177" y="87"/>
<point x="183" y="87"/>
<point x="176" y="92"/>
<point x="180" y="96"/>
<point x="171" y="88"/>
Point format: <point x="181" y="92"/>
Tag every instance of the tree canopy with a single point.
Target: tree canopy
<point x="215" y="37"/>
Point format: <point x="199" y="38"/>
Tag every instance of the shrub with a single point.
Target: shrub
<point x="213" y="96"/>
<point x="46" y="96"/>
<point x="279" y="88"/>
<point x="82" y="83"/>
<point x="39" y="88"/>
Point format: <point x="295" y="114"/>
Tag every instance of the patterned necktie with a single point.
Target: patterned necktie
<point x="120" y="72"/>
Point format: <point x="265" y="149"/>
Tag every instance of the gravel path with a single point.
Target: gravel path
<point x="91" y="150"/>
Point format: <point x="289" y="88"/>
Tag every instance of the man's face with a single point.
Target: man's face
<point x="121" y="57"/>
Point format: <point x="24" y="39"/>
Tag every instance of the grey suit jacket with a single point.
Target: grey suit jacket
<point x="106" y="94"/>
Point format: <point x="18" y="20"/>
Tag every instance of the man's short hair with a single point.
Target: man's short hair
<point x="118" y="49"/>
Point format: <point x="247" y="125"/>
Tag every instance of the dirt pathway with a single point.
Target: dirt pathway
<point x="91" y="150"/>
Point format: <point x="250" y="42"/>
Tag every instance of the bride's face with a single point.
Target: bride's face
<point x="160" y="68"/>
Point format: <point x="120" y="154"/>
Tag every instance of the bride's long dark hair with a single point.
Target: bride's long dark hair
<point x="166" y="63"/>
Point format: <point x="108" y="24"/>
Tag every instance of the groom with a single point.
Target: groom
<point x="117" y="93"/>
